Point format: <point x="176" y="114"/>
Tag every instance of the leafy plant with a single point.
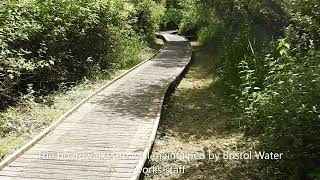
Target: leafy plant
<point x="46" y="42"/>
<point x="269" y="61"/>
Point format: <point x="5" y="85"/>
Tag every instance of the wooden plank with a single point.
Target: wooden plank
<point x="121" y="117"/>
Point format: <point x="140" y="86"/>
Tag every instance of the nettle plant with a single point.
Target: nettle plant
<point x="283" y="111"/>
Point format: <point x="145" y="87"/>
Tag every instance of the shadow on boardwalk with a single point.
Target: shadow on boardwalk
<point x="119" y="119"/>
<point x="137" y="97"/>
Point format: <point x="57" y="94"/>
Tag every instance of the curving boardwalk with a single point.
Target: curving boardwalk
<point x="108" y="136"/>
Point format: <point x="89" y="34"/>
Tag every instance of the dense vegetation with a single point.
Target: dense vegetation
<point x="45" y="43"/>
<point x="50" y="45"/>
<point x="269" y="54"/>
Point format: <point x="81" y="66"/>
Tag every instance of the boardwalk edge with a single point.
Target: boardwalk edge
<point x="152" y="138"/>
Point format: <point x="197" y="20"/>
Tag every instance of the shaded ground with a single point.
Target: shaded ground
<point x="196" y="121"/>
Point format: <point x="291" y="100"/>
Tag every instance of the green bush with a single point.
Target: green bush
<point x="47" y="42"/>
<point x="148" y="14"/>
<point x="283" y="110"/>
<point x="269" y="55"/>
<point x="172" y="15"/>
<point x="279" y="98"/>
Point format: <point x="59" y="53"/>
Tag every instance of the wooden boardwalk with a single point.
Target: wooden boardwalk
<point x="108" y="136"/>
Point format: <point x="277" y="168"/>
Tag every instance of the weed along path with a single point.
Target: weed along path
<point x="108" y="135"/>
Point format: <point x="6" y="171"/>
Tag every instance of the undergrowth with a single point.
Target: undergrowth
<point x="268" y="54"/>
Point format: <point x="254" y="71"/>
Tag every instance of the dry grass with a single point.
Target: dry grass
<point x="28" y="119"/>
<point x="196" y="120"/>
